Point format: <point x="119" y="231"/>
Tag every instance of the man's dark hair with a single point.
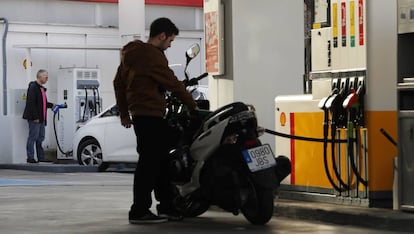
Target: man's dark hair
<point x="163" y="25"/>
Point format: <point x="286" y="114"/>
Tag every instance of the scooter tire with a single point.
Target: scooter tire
<point x="258" y="209"/>
<point x="189" y="207"/>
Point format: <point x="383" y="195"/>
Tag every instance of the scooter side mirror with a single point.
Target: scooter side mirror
<point x="192" y="52"/>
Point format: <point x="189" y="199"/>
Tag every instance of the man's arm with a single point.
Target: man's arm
<point x="120" y="95"/>
<point x="163" y="75"/>
<point x="31" y="102"/>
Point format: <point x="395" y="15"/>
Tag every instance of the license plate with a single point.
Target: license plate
<point x="259" y="158"/>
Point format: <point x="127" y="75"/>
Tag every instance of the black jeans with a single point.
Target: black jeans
<point x="151" y="173"/>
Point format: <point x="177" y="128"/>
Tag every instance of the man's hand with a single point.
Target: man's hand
<point x="126" y="122"/>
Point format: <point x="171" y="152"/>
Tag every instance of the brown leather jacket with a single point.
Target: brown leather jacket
<point x="142" y="79"/>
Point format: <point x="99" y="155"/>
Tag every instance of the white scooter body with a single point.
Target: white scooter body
<point x="205" y="145"/>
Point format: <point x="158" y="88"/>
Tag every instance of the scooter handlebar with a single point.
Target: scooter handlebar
<point x="194" y="81"/>
<point x="205" y="74"/>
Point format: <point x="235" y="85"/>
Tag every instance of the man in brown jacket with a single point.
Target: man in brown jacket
<point x="140" y="84"/>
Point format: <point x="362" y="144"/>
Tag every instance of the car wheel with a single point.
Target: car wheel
<point x="90" y="153"/>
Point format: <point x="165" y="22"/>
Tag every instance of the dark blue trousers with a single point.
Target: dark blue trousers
<point x="35" y="139"/>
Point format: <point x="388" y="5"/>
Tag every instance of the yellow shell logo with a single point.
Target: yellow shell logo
<point x="283" y="119"/>
<point x="25" y="64"/>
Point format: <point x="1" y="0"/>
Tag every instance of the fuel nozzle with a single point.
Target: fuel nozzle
<point x="324" y="101"/>
<point x="323" y="104"/>
<point x="56" y="108"/>
<point x="330" y="99"/>
<point x="62" y="106"/>
<point x="334" y="104"/>
<point x="351" y="101"/>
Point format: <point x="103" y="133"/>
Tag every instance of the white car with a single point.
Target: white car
<point x="103" y="140"/>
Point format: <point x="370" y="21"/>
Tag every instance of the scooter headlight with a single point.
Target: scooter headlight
<point x="251" y="108"/>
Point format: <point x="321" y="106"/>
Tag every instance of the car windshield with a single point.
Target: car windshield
<point x="113" y="111"/>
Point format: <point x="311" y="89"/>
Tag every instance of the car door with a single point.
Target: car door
<point x="120" y="142"/>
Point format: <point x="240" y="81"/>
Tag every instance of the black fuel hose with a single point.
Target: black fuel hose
<point x="302" y="138"/>
<point x="69" y="153"/>
<point x="86" y="103"/>
<point x="335" y="168"/>
<point x="325" y="156"/>
<point x="352" y="158"/>
<point x="324" y="141"/>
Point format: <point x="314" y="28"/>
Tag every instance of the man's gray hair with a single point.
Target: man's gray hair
<point x="40" y="72"/>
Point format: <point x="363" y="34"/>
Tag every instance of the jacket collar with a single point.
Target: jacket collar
<point x="40" y="86"/>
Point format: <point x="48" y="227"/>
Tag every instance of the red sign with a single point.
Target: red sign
<point x="343" y="23"/>
<point x="361" y="21"/>
<point x="189" y="3"/>
<point x="212" y="42"/>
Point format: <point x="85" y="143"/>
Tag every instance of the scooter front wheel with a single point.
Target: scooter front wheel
<point x="189" y="206"/>
<point x="258" y="208"/>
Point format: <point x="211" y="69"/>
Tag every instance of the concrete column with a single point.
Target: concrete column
<point x="131" y="20"/>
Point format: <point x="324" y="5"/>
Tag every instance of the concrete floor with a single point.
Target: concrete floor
<point x="91" y="202"/>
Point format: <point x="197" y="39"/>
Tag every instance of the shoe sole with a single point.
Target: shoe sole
<point x="148" y="221"/>
<point x="172" y="218"/>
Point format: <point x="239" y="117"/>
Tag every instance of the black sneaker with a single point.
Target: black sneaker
<point x="31" y="160"/>
<point x="147" y="218"/>
<point x="170" y="214"/>
<point x="45" y="160"/>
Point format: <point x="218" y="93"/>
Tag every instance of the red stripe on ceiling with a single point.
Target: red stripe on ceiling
<point x="189" y="3"/>
<point x="192" y="3"/>
<point x="109" y="1"/>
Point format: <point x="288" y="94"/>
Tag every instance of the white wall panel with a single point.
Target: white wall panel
<point x="268" y="53"/>
<point x="382" y="55"/>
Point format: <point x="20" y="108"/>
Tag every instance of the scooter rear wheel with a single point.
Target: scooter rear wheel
<point x="258" y="208"/>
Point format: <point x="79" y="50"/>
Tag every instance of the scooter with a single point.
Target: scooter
<point x="219" y="159"/>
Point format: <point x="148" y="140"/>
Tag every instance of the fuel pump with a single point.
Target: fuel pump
<point x="78" y="87"/>
<point x="342" y="51"/>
